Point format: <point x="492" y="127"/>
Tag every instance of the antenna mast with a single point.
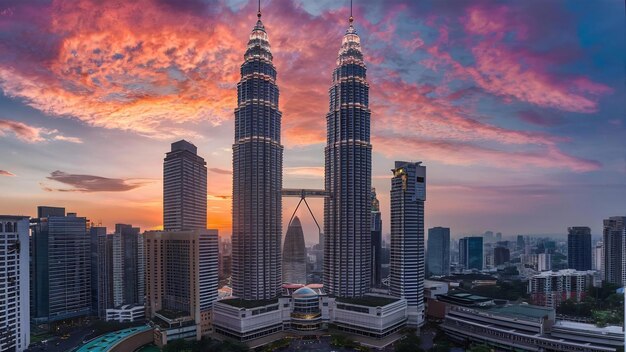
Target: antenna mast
<point x="351" y="18"/>
<point x="258" y="14"/>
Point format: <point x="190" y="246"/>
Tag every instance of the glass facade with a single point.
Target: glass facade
<point x="438" y="258"/>
<point x="348" y="175"/>
<point x="257" y="175"/>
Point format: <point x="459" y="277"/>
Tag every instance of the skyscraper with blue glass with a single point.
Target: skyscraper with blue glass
<point x="348" y="175"/>
<point x="257" y="175"/>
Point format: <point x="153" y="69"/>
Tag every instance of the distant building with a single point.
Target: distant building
<point x="127" y="313"/>
<point x="438" y="254"/>
<point x="501" y="255"/>
<point x="61" y="268"/>
<point x="614" y="241"/>
<point x="377" y="239"/>
<point x="598" y="258"/>
<point x="14" y="283"/>
<point x="551" y="288"/>
<point x="520" y="243"/>
<point x="119" y="268"/>
<point x="181" y="282"/>
<point x="544" y="261"/>
<point x="294" y="254"/>
<point x="184" y="188"/>
<point x="471" y="253"/>
<point x="407" y="267"/>
<point x="579" y="248"/>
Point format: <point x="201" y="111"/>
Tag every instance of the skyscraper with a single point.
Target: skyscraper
<point x="598" y="258"/>
<point x="614" y="241"/>
<point x="181" y="281"/>
<point x="377" y="242"/>
<point x="61" y="268"/>
<point x="438" y="254"/>
<point x="407" y="272"/>
<point x="501" y="255"/>
<point x="257" y="175"/>
<point x="579" y="248"/>
<point x="14" y="284"/>
<point x="471" y="252"/>
<point x="184" y="188"/>
<point x="348" y="175"/>
<point x="294" y="254"/>
<point x="101" y="271"/>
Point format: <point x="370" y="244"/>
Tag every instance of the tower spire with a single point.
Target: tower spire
<point x="351" y="19"/>
<point x="258" y="14"/>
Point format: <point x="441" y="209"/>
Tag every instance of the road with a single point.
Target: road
<point x="76" y="339"/>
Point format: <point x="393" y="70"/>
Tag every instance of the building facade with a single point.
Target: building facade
<point x="184" y="188"/>
<point x="579" y="248"/>
<point x="181" y="282"/>
<point x="598" y="258"/>
<point x="407" y="267"/>
<point x="438" y="254"/>
<point x="614" y="241"/>
<point x="551" y="288"/>
<point x="61" y="268"/>
<point x="14" y="286"/>
<point x="348" y="175"/>
<point x="501" y="255"/>
<point x="294" y="254"/>
<point x="471" y="253"/>
<point x="376" y="242"/>
<point x="257" y="175"/>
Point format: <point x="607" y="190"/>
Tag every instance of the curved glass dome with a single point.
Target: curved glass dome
<point x="304" y="292"/>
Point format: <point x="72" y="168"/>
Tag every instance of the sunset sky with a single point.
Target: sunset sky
<point x="517" y="108"/>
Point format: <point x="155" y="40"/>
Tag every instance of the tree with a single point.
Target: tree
<point x="480" y="348"/>
<point x="409" y="343"/>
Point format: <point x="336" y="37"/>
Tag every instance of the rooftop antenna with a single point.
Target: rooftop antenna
<point x="351" y="18"/>
<point x="258" y="14"/>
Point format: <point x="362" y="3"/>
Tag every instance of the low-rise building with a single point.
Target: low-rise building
<point x="127" y="313"/>
<point x="550" y="288"/>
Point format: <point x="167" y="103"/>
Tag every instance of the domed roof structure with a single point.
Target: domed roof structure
<point x="304" y="292"/>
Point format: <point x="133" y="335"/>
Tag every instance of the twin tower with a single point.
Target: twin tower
<point x="258" y="175"/>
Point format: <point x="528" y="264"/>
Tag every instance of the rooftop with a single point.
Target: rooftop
<point x="172" y="314"/>
<point x="565" y="324"/>
<point x="240" y="303"/>
<point x="522" y="311"/>
<point x="107" y="341"/>
<point x="370" y="301"/>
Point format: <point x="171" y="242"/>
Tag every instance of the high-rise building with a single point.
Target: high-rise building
<point x="181" y="282"/>
<point x="61" y="268"/>
<point x="101" y="270"/>
<point x="376" y="242"/>
<point x="407" y="269"/>
<point x="579" y="248"/>
<point x="14" y="284"/>
<point x="471" y="252"/>
<point x="544" y="261"/>
<point x="520" y="242"/>
<point x="501" y="255"/>
<point x="598" y="258"/>
<point x="348" y="175"/>
<point x="257" y="175"/>
<point x="438" y="254"/>
<point x="184" y="188"/>
<point x="614" y="241"/>
<point x="119" y="268"/>
<point x="294" y="254"/>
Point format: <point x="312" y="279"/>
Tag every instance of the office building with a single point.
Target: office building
<point x="101" y="271"/>
<point x="438" y="254"/>
<point x="294" y="254"/>
<point x="521" y="244"/>
<point x="257" y="175"/>
<point x="407" y="267"/>
<point x="579" y="248"/>
<point x="14" y="285"/>
<point x="348" y="175"/>
<point x="184" y="188"/>
<point x="551" y="288"/>
<point x="376" y="242"/>
<point x="501" y="255"/>
<point x="614" y="241"/>
<point x="128" y="266"/>
<point x="544" y="261"/>
<point x="61" y="268"/>
<point x="471" y="253"/>
<point x="181" y="282"/>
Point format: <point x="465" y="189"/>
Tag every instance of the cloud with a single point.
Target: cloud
<point x="535" y="118"/>
<point x="31" y="134"/>
<point x="6" y="173"/>
<point x="91" y="183"/>
<point x="310" y="171"/>
<point x="217" y="197"/>
<point x="220" y="171"/>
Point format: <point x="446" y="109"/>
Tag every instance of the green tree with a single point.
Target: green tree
<point x="410" y="343"/>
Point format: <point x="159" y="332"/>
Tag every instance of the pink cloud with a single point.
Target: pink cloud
<point x="6" y="173"/>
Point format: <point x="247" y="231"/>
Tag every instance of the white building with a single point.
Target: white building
<point x="550" y="288"/>
<point x="544" y="262"/>
<point x="126" y="314"/>
<point x="597" y="261"/>
<point x="14" y="285"/>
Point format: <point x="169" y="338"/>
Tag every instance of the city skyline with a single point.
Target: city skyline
<point x="475" y="123"/>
